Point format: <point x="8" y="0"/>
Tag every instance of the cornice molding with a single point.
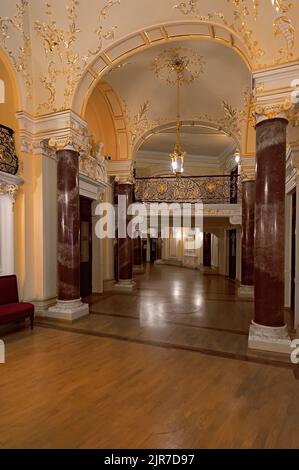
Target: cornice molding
<point x="60" y="129"/>
<point x="123" y="170"/>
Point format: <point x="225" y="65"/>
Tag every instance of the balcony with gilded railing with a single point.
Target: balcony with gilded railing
<point x="218" y="189"/>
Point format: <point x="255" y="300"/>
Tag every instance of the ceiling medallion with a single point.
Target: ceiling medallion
<point x="178" y="66"/>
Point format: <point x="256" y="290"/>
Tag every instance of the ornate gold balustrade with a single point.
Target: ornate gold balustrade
<point x="205" y="189"/>
<point x="8" y="159"/>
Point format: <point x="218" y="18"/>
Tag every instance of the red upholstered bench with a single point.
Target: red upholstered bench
<point x="10" y="308"/>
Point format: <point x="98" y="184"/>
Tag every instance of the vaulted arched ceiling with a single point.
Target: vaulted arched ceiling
<point x="214" y="107"/>
<point x="61" y="48"/>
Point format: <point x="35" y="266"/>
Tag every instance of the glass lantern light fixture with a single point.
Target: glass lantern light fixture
<point x="237" y="157"/>
<point x="178" y="155"/>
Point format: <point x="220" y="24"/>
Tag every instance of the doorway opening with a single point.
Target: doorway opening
<point x="85" y="247"/>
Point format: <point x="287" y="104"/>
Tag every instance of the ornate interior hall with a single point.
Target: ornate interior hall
<point x="149" y="212"/>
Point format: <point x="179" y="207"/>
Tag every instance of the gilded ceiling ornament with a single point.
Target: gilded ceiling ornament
<point x="237" y="24"/>
<point x="283" y="26"/>
<point x="139" y="122"/>
<point x="189" y="7"/>
<point x="281" y="6"/>
<point x="164" y="65"/>
<point x="233" y="119"/>
<point x="21" y="60"/>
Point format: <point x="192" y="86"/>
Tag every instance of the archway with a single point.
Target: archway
<point x="155" y="35"/>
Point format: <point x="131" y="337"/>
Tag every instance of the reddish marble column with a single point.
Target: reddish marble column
<point x="69" y="305"/>
<point x="248" y="211"/>
<point x="125" y="245"/>
<point x="68" y="225"/>
<point x="270" y="222"/>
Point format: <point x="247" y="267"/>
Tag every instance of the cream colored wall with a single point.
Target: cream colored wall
<point x="9" y="108"/>
<point x="100" y="123"/>
<point x="36" y="229"/>
<point x="215" y="251"/>
<point x="156" y="169"/>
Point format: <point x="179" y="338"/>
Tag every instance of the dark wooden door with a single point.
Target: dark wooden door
<point x="207" y="250"/>
<point x="293" y="264"/>
<point x="153" y="245"/>
<point x="232" y="254"/>
<point x="85" y="247"/>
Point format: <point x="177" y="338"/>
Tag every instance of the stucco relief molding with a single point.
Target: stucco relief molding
<point x="45" y="134"/>
<point x="95" y="167"/>
<point x="123" y="171"/>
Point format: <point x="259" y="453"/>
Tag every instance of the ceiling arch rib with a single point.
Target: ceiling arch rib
<point x="186" y="124"/>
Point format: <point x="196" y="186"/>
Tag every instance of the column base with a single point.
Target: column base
<point x="68" y="310"/>
<point x="159" y="261"/>
<point x="125" y="285"/>
<point x="247" y="292"/>
<point x="42" y="306"/>
<point x="268" y="338"/>
<point x="138" y="269"/>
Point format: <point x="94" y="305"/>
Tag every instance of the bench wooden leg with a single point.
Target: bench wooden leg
<point x="32" y="322"/>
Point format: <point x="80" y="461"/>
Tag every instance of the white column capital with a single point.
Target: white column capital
<point x="275" y="110"/>
<point x="9" y="184"/>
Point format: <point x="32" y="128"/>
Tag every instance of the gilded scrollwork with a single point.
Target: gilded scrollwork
<point x="283" y="26"/>
<point x="237" y="24"/>
<point x="59" y="48"/>
<point x="139" y="122"/>
<point x="189" y="7"/>
<point x="21" y="59"/>
<point x="232" y="120"/>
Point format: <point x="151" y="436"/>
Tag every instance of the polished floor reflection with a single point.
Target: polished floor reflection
<point x="166" y="366"/>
